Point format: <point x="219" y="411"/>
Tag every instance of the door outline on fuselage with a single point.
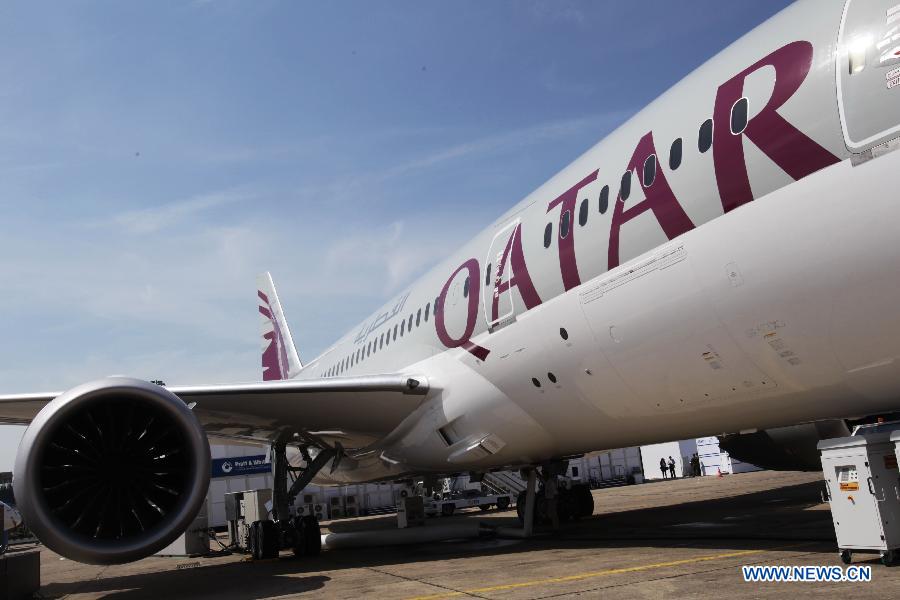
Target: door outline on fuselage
<point x="842" y="66"/>
<point x="494" y="262"/>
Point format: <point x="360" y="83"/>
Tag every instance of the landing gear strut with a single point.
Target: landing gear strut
<point x="573" y="503"/>
<point x="301" y="533"/>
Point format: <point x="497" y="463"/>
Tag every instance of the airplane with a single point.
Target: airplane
<point x="725" y="262"/>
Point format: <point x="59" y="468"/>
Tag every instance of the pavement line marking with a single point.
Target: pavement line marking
<point x="604" y="573"/>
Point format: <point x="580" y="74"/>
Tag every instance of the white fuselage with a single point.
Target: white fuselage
<point x="752" y="282"/>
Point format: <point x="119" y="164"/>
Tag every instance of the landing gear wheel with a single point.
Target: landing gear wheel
<point x="584" y="501"/>
<point x="565" y="505"/>
<point x="252" y="541"/>
<point x="887" y="558"/>
<point x="503" y="503"/>
<point x="484" y="507"/>
<point x="846" y="557"/>
<point x="266" y="539"/>
<point x="520" y="505"/>
<point x="313" y="536"/>
<point x="299" y="526"/>
<point x="540" y="509"/>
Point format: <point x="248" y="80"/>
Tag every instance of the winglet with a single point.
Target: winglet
<point x="279" y="356"/>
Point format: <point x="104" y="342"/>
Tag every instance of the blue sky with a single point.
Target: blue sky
<point x="155" y="156"/>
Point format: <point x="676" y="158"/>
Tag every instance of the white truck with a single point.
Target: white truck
<point x="447" y="504"/>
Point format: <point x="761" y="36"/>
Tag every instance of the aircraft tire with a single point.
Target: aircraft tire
<point x="252" y="541"/>
<point x="267" y="539"/>
<point x="313" y="536"/>
<point x="584" y="500"/>
<point x="520" y="506"/>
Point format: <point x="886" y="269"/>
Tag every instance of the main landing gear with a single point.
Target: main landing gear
<point x="301" y="534"/>
<point x="573" y="503"/>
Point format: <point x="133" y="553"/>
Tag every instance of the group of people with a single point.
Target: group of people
<point x="668" y="467"/>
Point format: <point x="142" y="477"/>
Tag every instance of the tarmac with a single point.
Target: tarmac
<point x="685" y="538"/>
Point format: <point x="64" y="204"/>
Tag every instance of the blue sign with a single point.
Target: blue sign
<point x="240" y="465"/>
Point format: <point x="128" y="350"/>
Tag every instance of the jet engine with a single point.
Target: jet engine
<point x="112" y="471"/>
<point x="790" y="448"/>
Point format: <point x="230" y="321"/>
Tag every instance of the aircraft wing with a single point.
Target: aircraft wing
<point x="355" y="410"/>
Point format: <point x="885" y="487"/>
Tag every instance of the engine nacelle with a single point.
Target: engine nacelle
<point x="112" y="471"/>
<point x="791" y="448"/>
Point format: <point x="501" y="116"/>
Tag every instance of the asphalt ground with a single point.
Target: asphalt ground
<point x="671" y="539"/>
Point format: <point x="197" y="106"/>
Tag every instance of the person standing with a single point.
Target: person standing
<point x="664" y="468"/>
<point x="671" y="467"/>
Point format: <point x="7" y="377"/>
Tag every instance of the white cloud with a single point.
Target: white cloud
<point x="153" y="219"/>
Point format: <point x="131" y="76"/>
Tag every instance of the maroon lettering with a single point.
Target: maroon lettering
<point x="658" y="198"/>
<point x="518" y="275"/>
<point x="787" y="146"/>
<point x="568" y="265"/>
<point x="464" y="342"/>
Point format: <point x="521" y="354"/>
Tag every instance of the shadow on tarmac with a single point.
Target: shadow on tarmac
<point x="770" y="519"/>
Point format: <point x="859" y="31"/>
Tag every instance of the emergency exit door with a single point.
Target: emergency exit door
<point x="868" y="72"/>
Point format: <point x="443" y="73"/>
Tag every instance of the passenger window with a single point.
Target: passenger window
<point x="395" y="332"/>
<point x="583" y="212"/>
<point x="604" y="199"/>
<point x="409" y="325"/>
<point x="625" y="188"/>
<point x="548" y="235"/>
<point x="675" y="154"/>
<point x="419" y="313"/>
<point x="564" y="224"/>
<point x="649" y="170"/>
<point x="402" y="327"/>
<point x="465" y="295"/>
<point x="705" y="139"/>
<point x="427" y="308"/>
<point x="487" y="275"/>
<point x="739" y="116"/>
<point x="381" y="343"/>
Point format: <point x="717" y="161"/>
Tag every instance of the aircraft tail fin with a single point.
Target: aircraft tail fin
<point x="279" y="356"/>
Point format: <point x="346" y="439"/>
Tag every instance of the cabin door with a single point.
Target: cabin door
<point x="499" y="309"/>
<point x="868" y="72"/>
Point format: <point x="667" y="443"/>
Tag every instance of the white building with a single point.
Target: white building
<point x="712" y="459"/>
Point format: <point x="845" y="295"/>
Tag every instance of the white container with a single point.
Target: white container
<point x="861" y="477"/>
<point x="410" y="512"/>
<point x="194" y="541"/>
